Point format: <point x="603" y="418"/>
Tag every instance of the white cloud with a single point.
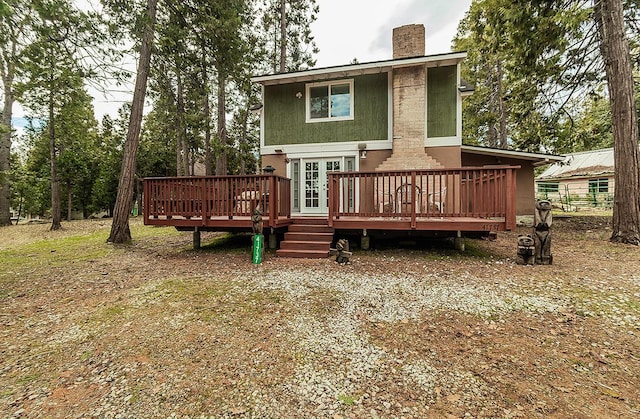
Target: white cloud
<point x="362" y="29"/>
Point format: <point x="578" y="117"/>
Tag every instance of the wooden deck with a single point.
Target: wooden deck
<point x="217" y="203"/>
<point x="451" y="200"/>
<point x="465" y="199"/>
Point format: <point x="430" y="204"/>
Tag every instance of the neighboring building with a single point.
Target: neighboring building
<point x="401" y="114"/>
<point x="581" y="179"/>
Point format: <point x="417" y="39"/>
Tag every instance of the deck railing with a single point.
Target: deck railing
<point x="473" y="192"/>
<point x="210" y="197"/>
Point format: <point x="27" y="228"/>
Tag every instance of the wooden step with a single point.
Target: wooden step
<point x="307" y="254"/>
<point x="305" y="245"/>
<point x="303" y="236"/>
<point x="310" y="221"/>
<point x="308" y="238"/>
<point x="311" y="228"/>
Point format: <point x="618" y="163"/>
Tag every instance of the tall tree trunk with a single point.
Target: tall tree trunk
<point x="182" y="126"/>
<point x="69" y="202"/>
<point x="20" y="208"/>
<point x="5" y="151"/>
<point x="615" y="51"/>
<point x="207" y="118"/>
<point x="491" y="81"/>
<point x="221" y="160"/>
<point x="283" y="36"/>
<point x="56" y="214"/>
<point x="243" y="142"/>
<point x="502" y="115"/>
<point x="120" y="232"/>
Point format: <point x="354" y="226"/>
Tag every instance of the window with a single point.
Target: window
<point x="295" y="184"/>
<point x="442" y="102"/>
<point x="330" y="101"/>
<point x="599" y="185"/>
<point x="548" y="187"/>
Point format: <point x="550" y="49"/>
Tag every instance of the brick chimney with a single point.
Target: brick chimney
<point x="409" y="104"/>
<point x="408" y="41"/>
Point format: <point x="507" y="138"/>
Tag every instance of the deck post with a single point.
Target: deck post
<point x="510" y="215"/>
<point x="146" y="199"/>
<point x="365" y="241"/>
<point x="414" y="200"/>
<point x="458" y="242"/>
<point x="196" y="239"/>
<point x="331" y="200"/>
<point x="204" y="204"/>
<point x="273" y="239"/>
<point x="273" y="204"/>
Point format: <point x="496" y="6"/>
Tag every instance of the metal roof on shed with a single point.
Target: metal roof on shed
<point x="583" y="164"/>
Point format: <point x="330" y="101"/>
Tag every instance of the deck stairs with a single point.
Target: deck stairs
<point x="308" y="238"/>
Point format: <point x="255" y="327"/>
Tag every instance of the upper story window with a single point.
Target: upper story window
<point x="331" y="101"/>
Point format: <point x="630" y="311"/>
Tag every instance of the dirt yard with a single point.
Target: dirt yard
<point x="155" y="329"/>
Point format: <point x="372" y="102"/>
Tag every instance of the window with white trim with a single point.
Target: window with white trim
<point x="330" y="101"/>
<point x="599" y="185"/>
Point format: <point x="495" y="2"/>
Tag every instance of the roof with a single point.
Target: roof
<point x="350" y="70"/>
<point x="583" y="164"/>
<point x="537" y="158"/>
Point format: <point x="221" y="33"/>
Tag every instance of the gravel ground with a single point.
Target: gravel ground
<point x="158" y="330"/>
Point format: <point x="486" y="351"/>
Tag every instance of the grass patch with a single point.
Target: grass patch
<point x="111" y="313"/>
<point x="347" y="400"/>
<point x="213" y="301"/>
<point x="29" y="378"/>
<point x="56" y="251"/>
<point x="86" y="355"/>
<point x="78" y="242"/>
<point x="141" y="231"/>
<point x="179" y="289"/>
<point x="634" y="306"/>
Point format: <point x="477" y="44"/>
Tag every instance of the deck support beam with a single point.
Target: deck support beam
<point x="273" y="239"/>
<point x="458" y="242"/>
<point x="196" y="239"/>
<point x="365" y="241"/>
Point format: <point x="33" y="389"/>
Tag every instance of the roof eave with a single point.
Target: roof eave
<point x="539" y="158"/>
<point x="356" y="69"/>
<point x="573" y="177"/>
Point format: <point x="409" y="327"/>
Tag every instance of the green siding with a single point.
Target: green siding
<point x="442" y="101"/>
<point x="284" y="114"/>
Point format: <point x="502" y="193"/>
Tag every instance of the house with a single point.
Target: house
<point x="581" y="179"/>
<point x="364" y="149"/>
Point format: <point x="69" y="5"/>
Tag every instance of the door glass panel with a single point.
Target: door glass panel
<point x="311" y="184"/>
<point x="295" y="184"/>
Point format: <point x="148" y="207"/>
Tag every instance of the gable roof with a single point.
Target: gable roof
<point x="537" y="158"/>
<point x="350" y="70"/>
<point x="583" y="164"/>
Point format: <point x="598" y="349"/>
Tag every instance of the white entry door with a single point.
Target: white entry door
<point x="315" y="184"/>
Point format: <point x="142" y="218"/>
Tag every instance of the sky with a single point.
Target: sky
<point x="362" y="29"/>
<point x="348" y="29"/>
